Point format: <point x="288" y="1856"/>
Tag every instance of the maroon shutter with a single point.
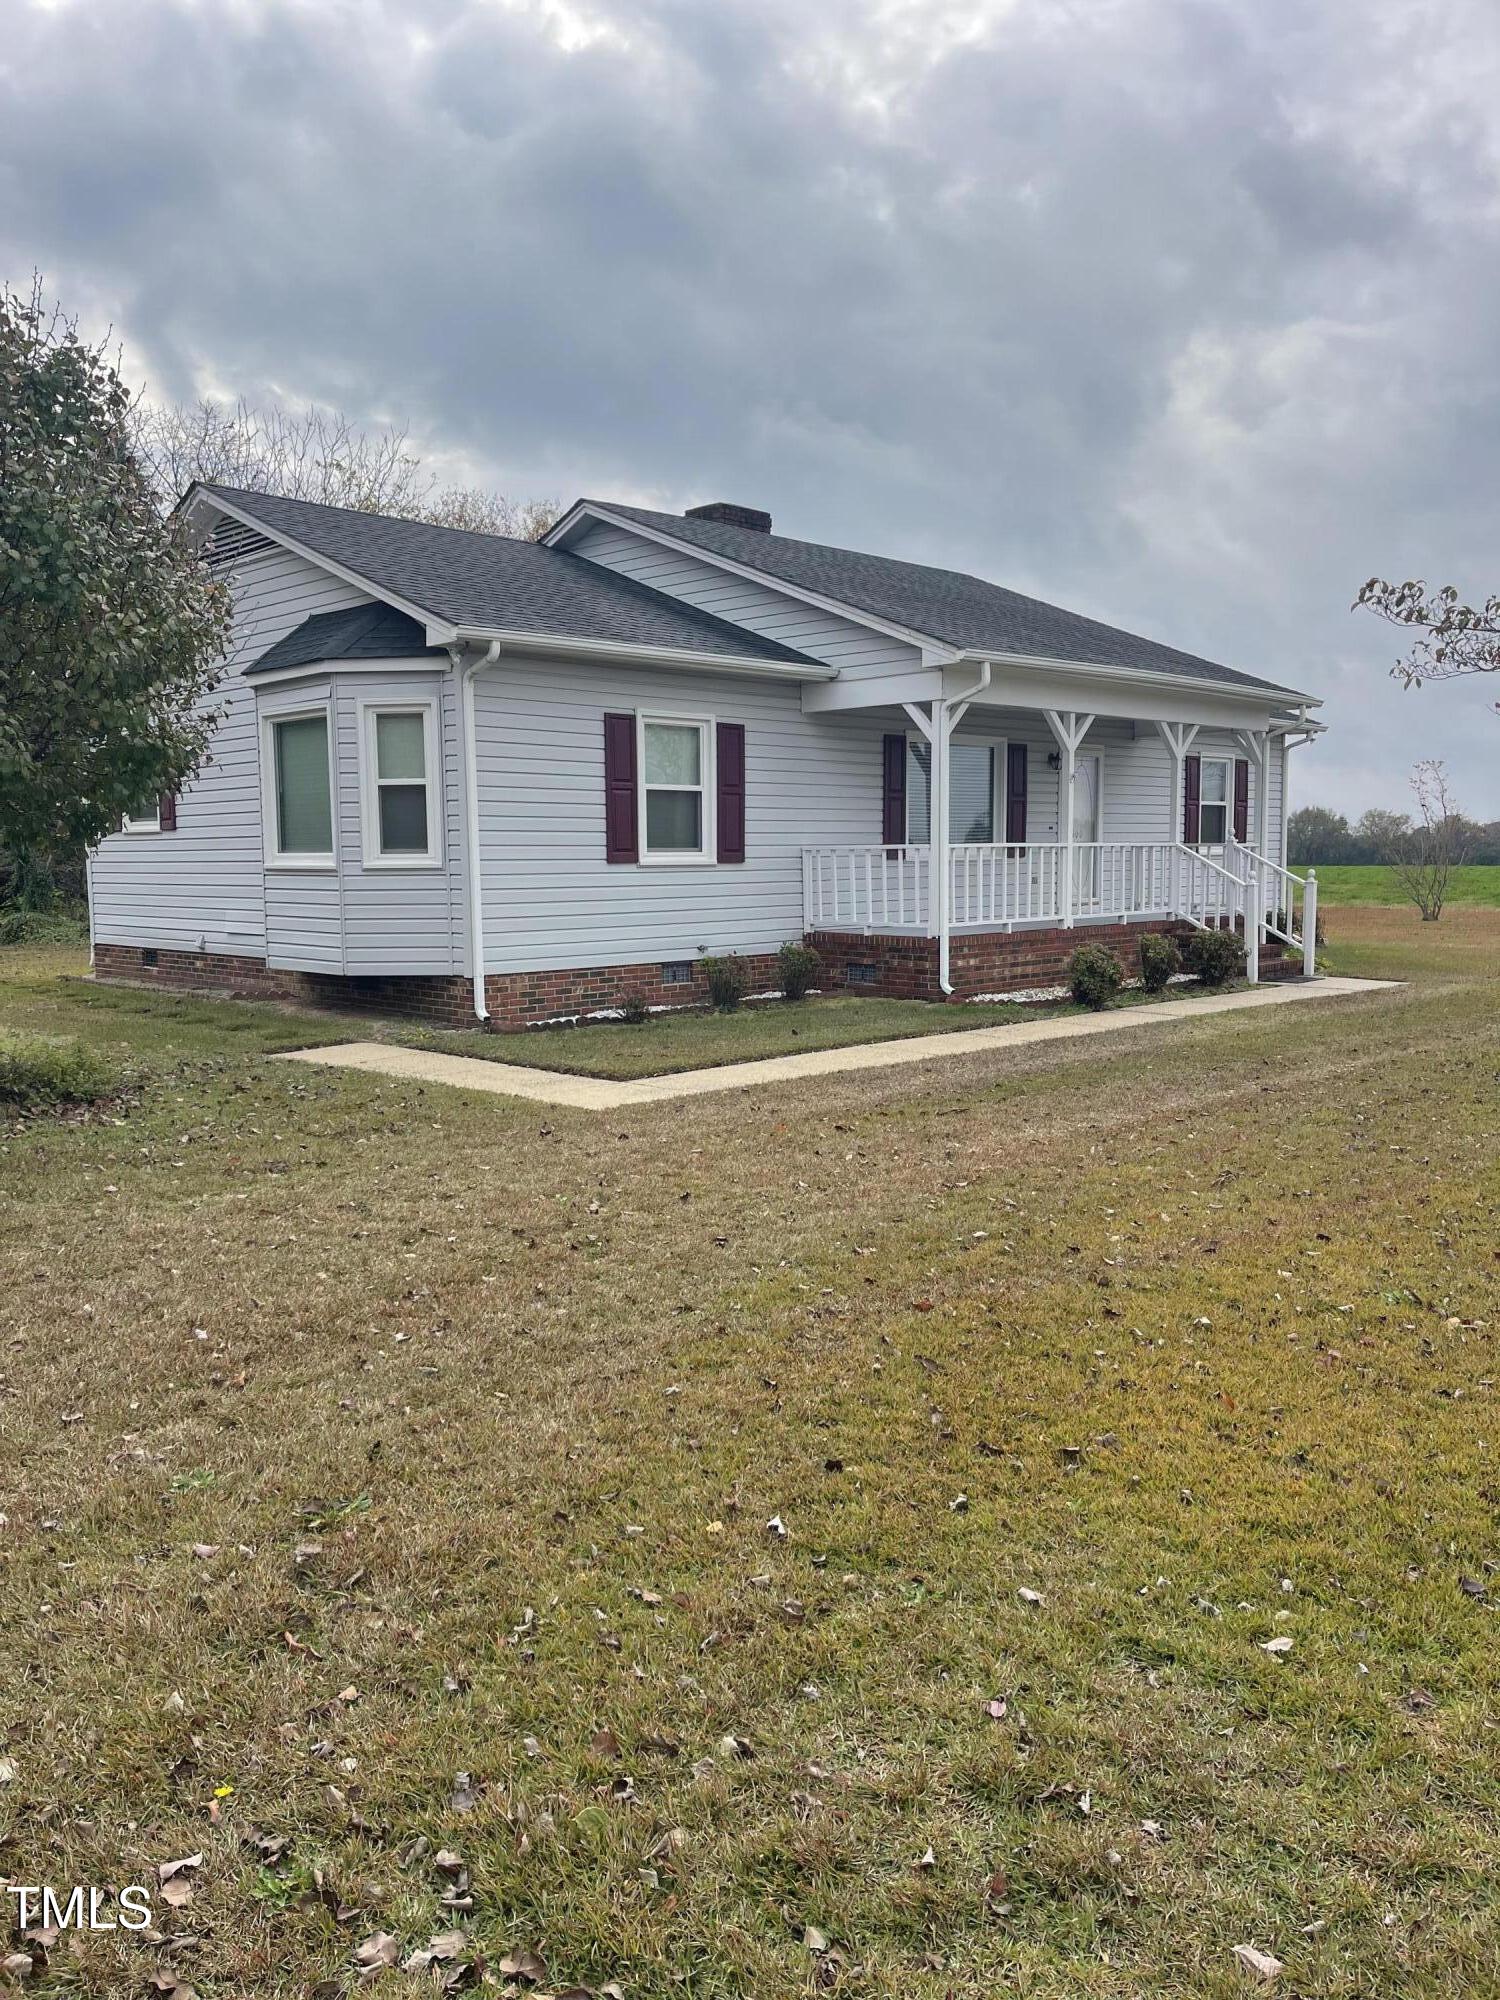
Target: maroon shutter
<point x="893" y="810"/>
<point x="729" y="766"/>
<point x="166" y="807"/>
<point x="1192" y="792"/>
<point x="620" y="843"/>
<point x="1241" y="798"/>
<point x="1015" y="794"/>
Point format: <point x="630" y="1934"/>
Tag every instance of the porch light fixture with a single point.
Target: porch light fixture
<point x="1054" y="760"/>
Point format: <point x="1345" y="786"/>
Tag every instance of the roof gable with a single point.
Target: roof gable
<point x="947" y="606"/>
<point x="458" y="578"/>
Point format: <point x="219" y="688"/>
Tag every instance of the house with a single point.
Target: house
<point x="467" y="777"/>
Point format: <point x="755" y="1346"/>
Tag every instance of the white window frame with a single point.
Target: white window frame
<point x="369" y="782"/>
<point x="1000" y="783"/>
<point x="1213" y="757"/>
<point x="674" y="857"/>
<point x="307" y="864"/>
<point x="132" y="823"/>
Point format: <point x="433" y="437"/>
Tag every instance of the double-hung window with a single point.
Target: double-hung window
<point x="297" y="783"/>
<point x="676" y="779"/>
<point x="400" y="788"/>
<point x="975" y="792"/>
<point x="1214" y="798"/>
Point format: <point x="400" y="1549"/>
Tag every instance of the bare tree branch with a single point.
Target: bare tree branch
<point x="1423" y="856"/>
<point x="1460" y="638"/>
<point x="316" y="455"/>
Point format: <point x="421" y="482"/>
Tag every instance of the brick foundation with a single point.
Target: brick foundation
<point x="516" y="1000"/>
<point x="904" y="968"/>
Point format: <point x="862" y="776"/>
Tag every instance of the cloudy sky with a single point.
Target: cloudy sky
<point x="1184" y="313"/>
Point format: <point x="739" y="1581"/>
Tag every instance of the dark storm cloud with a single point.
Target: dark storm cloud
<point x="1179" y="312"/>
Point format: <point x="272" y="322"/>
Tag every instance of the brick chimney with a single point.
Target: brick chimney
<point x="731" y="515"/>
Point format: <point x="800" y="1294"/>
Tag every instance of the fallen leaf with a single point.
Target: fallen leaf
<point x="170" y="1868"/>
<point x="997" y="1709"/>
<point x="378" y="1949"/>
<point x="777" y="1527"/>
<point x="1280" y="1647"/>
<point x="1257" y="1966"/>
<point x="814" y="1939"/>
<point x="523" y="1964"/>
<point x="604" y="1742"/>
<point x="1032" y="1597"/>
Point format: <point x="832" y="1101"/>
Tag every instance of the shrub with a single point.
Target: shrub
<point x="1215" y="957"/>
<point x="726" y="981"/>
<point x="56" y="926"/>
<point x="40" y="1073"/>
<point x="799" y="965"/>
<point x="1160" y="958"/>
<point x="635" y="1009"/>
<point x="1095" y="975"/>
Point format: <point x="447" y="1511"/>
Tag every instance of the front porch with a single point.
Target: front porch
<point x="1018" y="914"/>
<point x="1013" y="820"/>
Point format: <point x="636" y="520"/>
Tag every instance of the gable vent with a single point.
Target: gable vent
<point x="732" y="515"/>
<point x="231" y="542"/>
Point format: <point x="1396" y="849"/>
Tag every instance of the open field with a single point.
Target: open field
<point x="1337" y="884"/>
<point x="359" y="1435"/>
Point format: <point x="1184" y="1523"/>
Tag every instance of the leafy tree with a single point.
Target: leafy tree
<point x="1459" y="638"/>
<point x="1317" y="835"/>
<point x="111" y="631"/>
<point x="317" y="455"/>
<point x="1379" y="833"/>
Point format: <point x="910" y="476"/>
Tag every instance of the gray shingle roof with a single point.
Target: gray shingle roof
<point x="496" y="583"/>
<point x="943" y="604"/>
<point x="363" y="632"/>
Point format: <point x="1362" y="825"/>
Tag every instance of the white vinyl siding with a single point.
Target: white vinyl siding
<point x="550" y="897"/>
<point x="203" y="888"/>
<point x="759" y="608"/>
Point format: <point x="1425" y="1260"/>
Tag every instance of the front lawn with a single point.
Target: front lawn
<point x="604" y="1536"/>
<point x="669" y="1043"/>
<point x="692" y="1040"/>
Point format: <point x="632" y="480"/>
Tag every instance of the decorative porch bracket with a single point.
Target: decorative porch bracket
<point x="1070" y="727"/>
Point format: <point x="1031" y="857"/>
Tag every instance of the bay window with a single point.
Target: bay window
<point x="297" y="784"/>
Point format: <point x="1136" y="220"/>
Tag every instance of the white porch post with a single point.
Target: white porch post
<point x="1070" y="728"/>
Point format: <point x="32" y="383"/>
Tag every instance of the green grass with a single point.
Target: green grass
<point x="1378" y="885"/>
<point x="360" y="1433"/>
<point x="43" y="1072"/>
<point x="670" y="1043"/>
<point x="692" y="1040"/>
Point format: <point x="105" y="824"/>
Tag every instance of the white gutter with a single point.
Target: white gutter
<point x="473" y="873"/>
<point x="1125" y="676"/>
<point x="946" y="715"/>
<point x="550" y="646"/>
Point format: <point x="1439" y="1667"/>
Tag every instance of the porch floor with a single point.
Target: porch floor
<point x="586" y="1093"/>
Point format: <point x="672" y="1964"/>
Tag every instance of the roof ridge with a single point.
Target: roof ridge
<point x="250" y="494"/>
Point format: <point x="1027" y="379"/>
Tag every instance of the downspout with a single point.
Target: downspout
<point x="946" y="715"/>
<point x="474" y="871"/>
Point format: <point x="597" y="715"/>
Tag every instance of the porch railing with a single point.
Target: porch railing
<point x="884" y="889"/>
<point x="867" y="889"/>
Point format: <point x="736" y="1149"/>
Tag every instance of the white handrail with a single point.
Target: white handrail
<point x="999" y="886"/>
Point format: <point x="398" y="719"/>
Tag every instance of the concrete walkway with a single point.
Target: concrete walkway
<point x="590" y="1093"/>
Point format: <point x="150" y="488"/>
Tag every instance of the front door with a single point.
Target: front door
<point x="1088" y="830"/>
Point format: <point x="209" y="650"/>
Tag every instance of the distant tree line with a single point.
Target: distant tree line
<point x="1318" y="836"/>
